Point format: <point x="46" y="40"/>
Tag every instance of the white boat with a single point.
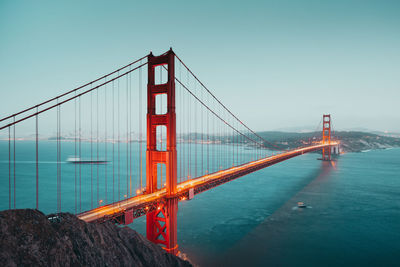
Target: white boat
<point x="301" y="205"/>
<point x="78" y="160"/>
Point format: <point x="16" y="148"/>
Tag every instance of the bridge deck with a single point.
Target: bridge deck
<point x="142" y="204"/>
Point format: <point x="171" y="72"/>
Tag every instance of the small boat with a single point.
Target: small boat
<point x="301" y="205"/>
<point x="78" y="160"/>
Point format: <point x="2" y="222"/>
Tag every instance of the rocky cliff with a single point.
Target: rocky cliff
<point x="30" y="238"/>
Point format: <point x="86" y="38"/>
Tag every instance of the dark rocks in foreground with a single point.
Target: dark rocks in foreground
<point x="29" y="238"/>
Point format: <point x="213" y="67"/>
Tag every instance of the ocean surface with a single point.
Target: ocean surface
<point x="352" y="216"/>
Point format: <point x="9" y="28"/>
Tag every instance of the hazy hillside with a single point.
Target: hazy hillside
<point x="350" y="141"/>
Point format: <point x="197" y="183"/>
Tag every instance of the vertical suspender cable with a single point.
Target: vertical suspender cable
<point x="130" y="133"/>
<point x="235" y="142"/>
<point x="237" y="147"/>
<point x="208" y="136"/>
<point x="127" y="139"/>
<point x="113" y="142"/>
<point x="75" y="155"/>
<point x="195" y="133"/>
<point x="215" y="122"/>
<point x="58" y="158"/>
<point x="119" y="141"/>
<point x="140" y="128"/>
<point x="240" y="148"/>
<point x="190" y="131"/>
<point x="9" y="167"/>
<point x="37" y="161"/>
<point x="220" y="142"/>
<point x="181" y="163"/>
<point x="233" y="147"/>
<point x="226" y="161"/>
<point x="97" y="146"/>
<point x="221" y="132"/>
<point x="58" y="155"/>
<point x="91" y="148"/>
<point x="59" y="163"/>
<point x="202" y="135"/>
<point x="217" y="146"/>
<point x="14" y="161"/>
<point x="105" y="143"/>
<point x="80" y="156"/>
<point x="218" y="138"/>
<point x="183" y="133"/>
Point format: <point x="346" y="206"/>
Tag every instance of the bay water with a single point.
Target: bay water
<point x="352" y="216"/>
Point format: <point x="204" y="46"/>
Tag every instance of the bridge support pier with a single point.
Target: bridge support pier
<point x="161" y="224"/>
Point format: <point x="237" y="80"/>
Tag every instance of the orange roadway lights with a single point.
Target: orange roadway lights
<point x="138" y="192"/>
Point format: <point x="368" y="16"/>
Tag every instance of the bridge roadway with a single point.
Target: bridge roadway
<point x="142" y="204"/>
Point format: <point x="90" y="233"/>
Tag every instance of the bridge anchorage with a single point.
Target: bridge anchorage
<point x="212" y="147"/>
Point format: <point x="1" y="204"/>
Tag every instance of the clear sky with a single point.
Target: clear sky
<point x="276" y="64"/>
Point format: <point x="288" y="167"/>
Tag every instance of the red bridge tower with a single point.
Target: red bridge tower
<point x="162" y="223"/>
<point x="326" y="136"/>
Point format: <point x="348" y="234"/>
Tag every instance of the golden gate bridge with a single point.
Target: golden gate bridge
<point x="193" y="143"/>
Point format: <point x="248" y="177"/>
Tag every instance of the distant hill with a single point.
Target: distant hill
<point x="351" y="141"/>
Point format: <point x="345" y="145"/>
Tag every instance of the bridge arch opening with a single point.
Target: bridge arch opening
<point x="161" y="176"/>
<point x="161" y="104"/>
<point x="161" y="133"/>
<point x="161" y="74"/>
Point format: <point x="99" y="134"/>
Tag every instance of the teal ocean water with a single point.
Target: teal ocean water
<point x="352" y="218"/>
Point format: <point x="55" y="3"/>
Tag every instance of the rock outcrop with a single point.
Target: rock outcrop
<point x="30" y="238"/>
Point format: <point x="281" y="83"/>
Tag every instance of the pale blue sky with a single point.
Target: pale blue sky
<point x="276" y="64"/>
